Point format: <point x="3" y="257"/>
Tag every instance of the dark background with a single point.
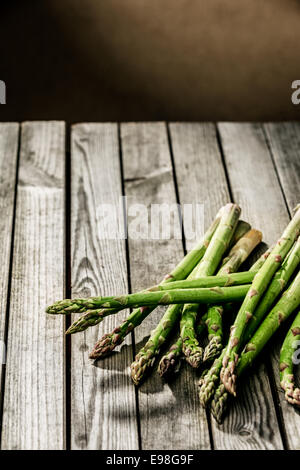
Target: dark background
<point x="101" y="60"/>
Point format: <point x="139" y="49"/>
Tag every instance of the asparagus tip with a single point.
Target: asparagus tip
<point x="105" y="346"/>
<point x="194" y="356"/>
<point x="143" y="362"/>
<point x="292" y="394"/>
<point x="228" y="378"/>
<point x="169" y="365"/>
<point x="219" y="404"/>
<point x="213" y="349"/>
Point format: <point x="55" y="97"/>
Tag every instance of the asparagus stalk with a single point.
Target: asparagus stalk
<point x="241" y="229"/>
<point x="219" y="280"/>
<point x="238" y="254"/>
<point x="287" y="360"/>
<point x="211" y="380"/>
<point x="208" y="265"/>
<point x="219" y="403"/>
<point x="180" y="272"/>
<point x="240" y="251"/>
<point x="259" y="285"/>
<point x="288" y="302"/>
<point x="170" y="363"/>
<point x="93" y="305"/>
<point x="215" y="333"/>
<point x="144" y="360"/>
<point x="94" y="316"/>
<point x="179" y="296"/>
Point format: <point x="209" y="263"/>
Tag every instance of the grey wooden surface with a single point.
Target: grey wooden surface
<point x="103" y="408"/>
<point x="52" y="245"/>
<point x="34" y="395"/>
<point x="9" y="134"/>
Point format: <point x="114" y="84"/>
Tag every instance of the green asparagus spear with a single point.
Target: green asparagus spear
<point x="170" y="363"/>
<point x="210" y="380"/>
<point x="241" y="229"/>
<point x="179" y="296"/>
<point x="208" y="265"/>
<point x="93" y="304"/>
<point x="219" y="403"/>
<point x="144" y="360"/>
<point x="287" y="361"/>
<point x="259" y="285"/>
<point x="215" y="333"/>
<point x="238" y="254"/>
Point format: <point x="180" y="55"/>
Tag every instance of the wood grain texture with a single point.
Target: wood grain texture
<point x="199" y="169"/>
<point x="103" y="407"/>
<point x="33" y="416"/>
<point x="255" y="187"/>
<point x="284" y="142"/>
<point x="170" y="417"/>
<point x="9" y="136"/>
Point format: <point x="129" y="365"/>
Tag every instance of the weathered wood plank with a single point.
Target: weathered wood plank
<point x="33" y="415"/>
<point x="199" y="169"/>
<point x="103" y="408"/>
<point x="9" y="136"/>
<point x="149" y="180"/>
<point x="284" y="141"/>
<point x="201" y="178"/>
<point x="255" y="187"/>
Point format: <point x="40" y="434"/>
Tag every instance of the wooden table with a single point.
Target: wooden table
<point x="50" y="247"/>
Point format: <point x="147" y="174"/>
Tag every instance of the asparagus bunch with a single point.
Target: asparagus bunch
<point x="211" y="380"/>
<point x="238" y="254"/>
<point x="287" y="361"/>
<point x="109" y="341"/>
<point x="207" y="267"/>
<point x="192" y="283"/>
<point x="259" y="285"/>
<point x="287" y="304"/>
<point x="146" y="356"/>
